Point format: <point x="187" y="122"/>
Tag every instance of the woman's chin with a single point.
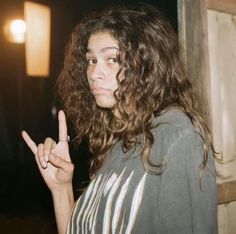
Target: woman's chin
<point x="104" y="101"/>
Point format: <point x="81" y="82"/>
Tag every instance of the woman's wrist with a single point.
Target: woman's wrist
<point x="62" y="191"/>
<point x="63" y="200"/>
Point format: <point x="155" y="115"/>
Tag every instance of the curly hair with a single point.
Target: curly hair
<point x="153" y="81"/>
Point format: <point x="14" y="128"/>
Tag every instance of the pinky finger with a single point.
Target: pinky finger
<point x="29" y="142"/>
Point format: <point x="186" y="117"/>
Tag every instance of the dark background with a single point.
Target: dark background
<point x="28" y="103"/>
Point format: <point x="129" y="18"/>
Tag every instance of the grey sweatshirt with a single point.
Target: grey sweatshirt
<point x="124" y="198"/>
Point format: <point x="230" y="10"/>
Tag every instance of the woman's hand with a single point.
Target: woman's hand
<point x="53" y="159"/>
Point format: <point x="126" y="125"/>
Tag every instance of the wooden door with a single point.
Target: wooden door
<point x="207" y="34"/>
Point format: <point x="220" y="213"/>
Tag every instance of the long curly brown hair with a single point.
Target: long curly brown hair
<point x="153" y="80"/>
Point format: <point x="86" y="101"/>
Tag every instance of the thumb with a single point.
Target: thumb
<point x="61" y="163"/>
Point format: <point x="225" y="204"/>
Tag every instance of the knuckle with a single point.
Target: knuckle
<point x="48" y="139"/>
<point x="40" y="146"/>
<point x="71" y="167"/>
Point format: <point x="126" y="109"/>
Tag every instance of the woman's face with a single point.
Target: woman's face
<point x="102" y="68"/>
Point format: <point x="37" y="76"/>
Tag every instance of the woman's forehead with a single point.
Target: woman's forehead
<point x="101" y="41"/>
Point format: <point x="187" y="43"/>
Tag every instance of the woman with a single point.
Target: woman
<point x="124" y="89"/>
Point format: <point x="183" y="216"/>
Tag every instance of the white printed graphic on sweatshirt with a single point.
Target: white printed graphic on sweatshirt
<point x="111" y="188"/>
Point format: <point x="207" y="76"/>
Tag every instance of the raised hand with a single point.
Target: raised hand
<point x="53" y="159"/>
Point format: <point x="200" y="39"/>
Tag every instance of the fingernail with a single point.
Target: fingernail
<point x="44" y="165"/>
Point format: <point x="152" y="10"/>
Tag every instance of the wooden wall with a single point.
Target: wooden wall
<point x="207" y="32"/>
<point x="222" y="57"/>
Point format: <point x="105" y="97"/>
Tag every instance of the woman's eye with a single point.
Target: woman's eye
<point x="112" y="60"/>
<point x="91" y="61"/>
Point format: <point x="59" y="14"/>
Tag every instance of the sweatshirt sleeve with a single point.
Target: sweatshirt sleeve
<point x="185" y="208"/>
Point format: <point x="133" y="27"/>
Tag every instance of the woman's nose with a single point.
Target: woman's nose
<point x="97" y="72"/>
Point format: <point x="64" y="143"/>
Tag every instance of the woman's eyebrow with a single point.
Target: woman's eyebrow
<point x="103" y="49"/>
<point x="109" y="48"/>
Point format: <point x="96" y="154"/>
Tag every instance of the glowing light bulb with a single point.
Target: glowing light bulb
<point x="15" y="31"/>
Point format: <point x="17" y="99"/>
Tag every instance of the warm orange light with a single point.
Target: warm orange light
<point x="15" y="31"/>
<point x="38" y="20"/>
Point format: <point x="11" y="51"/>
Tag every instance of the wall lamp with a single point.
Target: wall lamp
<point x="34" y="30"/>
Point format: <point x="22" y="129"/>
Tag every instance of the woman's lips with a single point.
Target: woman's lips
<point x="100" y="91"/>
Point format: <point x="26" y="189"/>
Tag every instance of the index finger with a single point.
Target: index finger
<point x="62" y="126"/>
